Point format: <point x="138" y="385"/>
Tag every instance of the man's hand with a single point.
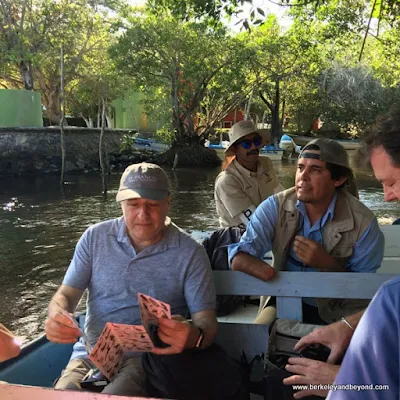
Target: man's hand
<point x="252" y="266"/>
<point x="60" y="329"/>
<point x="336" y="336"/>
<point x="9" y="345"/>
<point x="59" y="326"/>
<point x="312" y="372"/>
<point x="179" y="333"/>
<point x="313" y="254"/>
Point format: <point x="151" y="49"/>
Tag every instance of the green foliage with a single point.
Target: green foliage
<point x="187" y="10"/>
<point x="191" y="69"/>
<point x="182" y="62"/>
<point x="165" y="135"/>
<point x="351" y="98"/>
<point x="37" y="31"/>
<point x="127" y="142"/>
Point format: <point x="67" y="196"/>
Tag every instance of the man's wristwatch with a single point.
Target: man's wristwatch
<point x="200" y="339"/>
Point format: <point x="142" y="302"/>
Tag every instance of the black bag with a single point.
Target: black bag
<point x="283" y="335"/>
<point x="195" y="374"/>
<point x="217" y="250"/>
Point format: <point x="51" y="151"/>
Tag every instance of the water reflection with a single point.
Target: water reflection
<point x="40" y="225"/>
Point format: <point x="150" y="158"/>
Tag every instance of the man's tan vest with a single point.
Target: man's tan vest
<point x="350" y="220"/>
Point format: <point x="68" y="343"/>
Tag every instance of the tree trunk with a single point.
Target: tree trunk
<point x="88" y="121"/>
<point x="62" y="112"/>
<point x="26" y="74"/>
<point x="283" y="114"/>
<point x="263" y="118"/>
<point x="51" y="100"/>
<point x="50" y="88"/>
<point x="109" y="121"/>
<point x="101" y="146"/>
<point x="275" y="129"/>
<point x="247" y="107"/>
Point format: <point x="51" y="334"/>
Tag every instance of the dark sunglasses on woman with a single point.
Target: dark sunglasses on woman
<point x="246" y="143"/>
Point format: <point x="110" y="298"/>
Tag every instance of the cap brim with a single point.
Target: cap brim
<point x="264" y="133"/>
<point x="151" y="194"/>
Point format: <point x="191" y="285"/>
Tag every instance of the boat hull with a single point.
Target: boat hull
<point x="39" y="364"/>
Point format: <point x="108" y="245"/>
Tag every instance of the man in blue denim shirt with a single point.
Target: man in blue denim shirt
<point x="372" y="361"/>
<point x="315" y="226"/>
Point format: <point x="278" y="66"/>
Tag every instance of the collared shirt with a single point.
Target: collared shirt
<point x="258" y="238"/>
<point x="237" y="189"/>
<point x="311" y="232"/>
<point x="373" y="356"/>
<point x="175" y="270"/>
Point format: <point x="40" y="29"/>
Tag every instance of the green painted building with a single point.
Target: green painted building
<point x="20" y="108"/>
<point x="129" y="114"/>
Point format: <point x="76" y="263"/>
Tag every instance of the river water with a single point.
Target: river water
<point x="40" y="225"/>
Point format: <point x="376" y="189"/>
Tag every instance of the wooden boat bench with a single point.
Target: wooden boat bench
<point x="290" y="287"/>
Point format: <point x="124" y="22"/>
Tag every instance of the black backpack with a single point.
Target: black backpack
<point x="217" y="250"/>
<point x="195" y="375"/>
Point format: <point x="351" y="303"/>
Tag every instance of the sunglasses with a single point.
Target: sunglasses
<point x="246" y="143"/>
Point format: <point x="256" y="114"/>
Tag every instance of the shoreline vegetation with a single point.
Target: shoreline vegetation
<point x="35" y="151"/>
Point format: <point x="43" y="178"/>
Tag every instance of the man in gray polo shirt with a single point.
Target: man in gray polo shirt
<point x="142" y="251"/>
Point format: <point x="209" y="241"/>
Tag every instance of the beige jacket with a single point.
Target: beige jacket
<point x="237" y="189"/>
<point x="350" y="220"/>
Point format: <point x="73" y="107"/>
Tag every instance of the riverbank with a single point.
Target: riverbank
<point x="38" y="151"/>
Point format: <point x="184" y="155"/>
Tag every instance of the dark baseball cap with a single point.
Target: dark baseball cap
<point x="144" y="180"/>
<point x="332" y="152"/>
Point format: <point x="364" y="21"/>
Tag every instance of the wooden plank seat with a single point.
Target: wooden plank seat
<point x="290" y="287"/>
<point x="390" y="265"/>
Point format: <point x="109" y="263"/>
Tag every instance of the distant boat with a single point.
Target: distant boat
<point x="142" y="143"/>
<point x="272" y="152"/>
<point x="289" y="147"/>
<point x="287" y="143"/>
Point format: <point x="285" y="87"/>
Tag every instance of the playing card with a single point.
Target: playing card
<point x="118" y="339"/>
<point x="151" y="310"/>
<point x="132" y="337"/>
<point x="114" y="341"/>
<point x="107" y="355"/>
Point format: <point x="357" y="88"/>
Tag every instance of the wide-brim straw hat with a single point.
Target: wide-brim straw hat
<point x="242" y="129"/>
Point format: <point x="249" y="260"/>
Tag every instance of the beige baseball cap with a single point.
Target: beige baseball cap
<point x="144" y="180"/>
<point x="244" y="128"/>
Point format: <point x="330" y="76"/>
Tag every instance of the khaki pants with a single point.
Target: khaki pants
<point x="266" y="311"/>
<point x="129" y="381"/>
<point x="266" y="316"/>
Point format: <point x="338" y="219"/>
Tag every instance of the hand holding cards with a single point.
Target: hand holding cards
<point x="116" y="339"/>
<point x="151" y="310"/>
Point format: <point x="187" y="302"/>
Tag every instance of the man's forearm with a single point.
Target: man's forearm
<point x="354" y="319"/>
<point x="65" y="298"/>
<point x="209" y="329"/>
<point x="252" y="266"/>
